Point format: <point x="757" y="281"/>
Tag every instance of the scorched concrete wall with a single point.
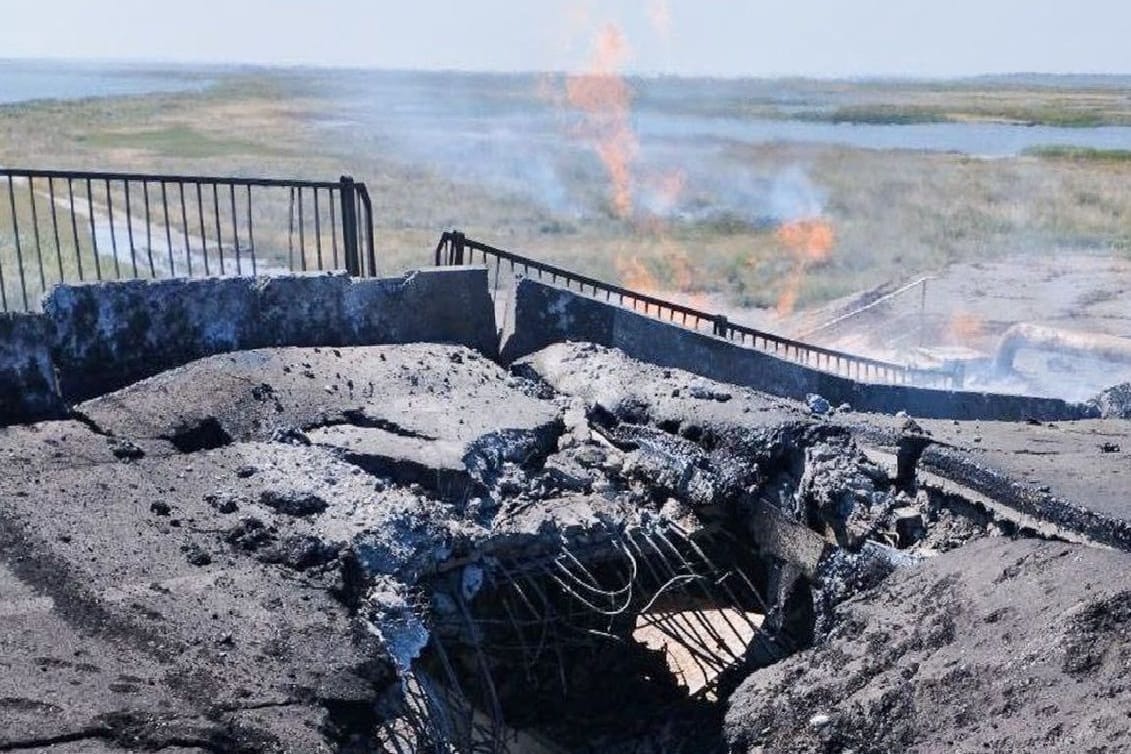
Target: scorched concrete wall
<point x="95" y="338"/>
<point x="543" y="314"/>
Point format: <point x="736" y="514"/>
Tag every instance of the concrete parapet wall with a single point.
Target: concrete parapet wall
<point x="28" y="387"/>
<point x="544" y="314"/>
<point x="95" y="338"/>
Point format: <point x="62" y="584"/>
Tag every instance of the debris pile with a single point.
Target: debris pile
<point x="409" y="548"/>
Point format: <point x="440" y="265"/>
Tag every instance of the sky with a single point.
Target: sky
<point x="821" y="38"/>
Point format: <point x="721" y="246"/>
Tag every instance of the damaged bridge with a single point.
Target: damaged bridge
<point x="369" y="534"/>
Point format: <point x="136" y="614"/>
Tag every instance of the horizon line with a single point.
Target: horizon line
<point x="630" y="73"/>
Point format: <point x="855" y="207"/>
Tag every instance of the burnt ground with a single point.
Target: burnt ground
<point x="408" y="548"/>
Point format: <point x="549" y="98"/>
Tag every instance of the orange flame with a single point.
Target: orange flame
<point x="604" y="97"/>
<point x="810" y="242"/>
<point x="635" y="276"/>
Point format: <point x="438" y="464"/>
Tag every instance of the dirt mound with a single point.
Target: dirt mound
<point x="999" y="646"/>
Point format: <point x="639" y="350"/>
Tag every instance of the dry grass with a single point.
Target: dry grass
<point x="896" y="214"/>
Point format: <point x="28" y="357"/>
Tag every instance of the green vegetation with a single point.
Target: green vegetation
<point x="1080" y="154"/>
<point x="882" y="115"/>
<point x="176" y="142"/>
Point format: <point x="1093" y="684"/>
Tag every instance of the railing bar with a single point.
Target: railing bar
<point x="357" y="211"/>
<point x="93" y="232"/>
<point x="184" y="227"/>
<point x="3" y="283"/>
<point x="168" y="230"/>
<point x="55" y="227"/>
<point x="130" y="229"/>
<point x="301" y="233"/>
<point x="371" y="248"/>
<point x="291" y="234"/>
<point x="148" y="230"/>
<point x="251" y="234"/>
<point x="35" y="227"/>
<point x="19" y="251"/>
<point x="203" y="233"/>
<point x="219" y="233"/>
<point x="317" y="230"/>
<point x="333" y="229"/>
<point x="75" y="226"/>
<point x="235" y="228"/>
<point x="98" y="175"/>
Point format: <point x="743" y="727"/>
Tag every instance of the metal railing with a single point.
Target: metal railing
<point x="455" y="248"/>
<point x="71" y="226"/>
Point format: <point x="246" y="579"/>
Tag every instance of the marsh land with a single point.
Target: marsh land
<point x="681" y="185"/>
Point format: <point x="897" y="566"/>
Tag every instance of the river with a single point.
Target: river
<point x="24" y="80"/>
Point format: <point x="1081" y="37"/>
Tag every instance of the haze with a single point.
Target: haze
<point x="821" y="38"/>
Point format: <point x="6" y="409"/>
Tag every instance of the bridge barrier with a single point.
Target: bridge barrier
<point x="95" y="338"/>
<point x="543" y="313"/>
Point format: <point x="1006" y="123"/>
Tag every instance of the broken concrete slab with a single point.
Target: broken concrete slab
<point x="1000" y="646"/>
<point x="786" y="539"/>
<point x="416" y="390"/>
<point x="1065" y="473"/>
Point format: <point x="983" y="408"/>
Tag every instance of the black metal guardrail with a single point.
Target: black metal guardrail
<point x="455" y="248"/>
<point x="72" y="226"/>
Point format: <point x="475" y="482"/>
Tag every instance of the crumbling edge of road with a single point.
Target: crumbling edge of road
<point x="94" y="338"/>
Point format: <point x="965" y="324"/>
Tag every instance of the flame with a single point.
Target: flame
<point x="603" y="96"/>
<point x="633" y="274"/>
<point x="810" y="241"/>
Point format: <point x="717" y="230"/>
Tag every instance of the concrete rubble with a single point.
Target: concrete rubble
<point x="410" y="548"/>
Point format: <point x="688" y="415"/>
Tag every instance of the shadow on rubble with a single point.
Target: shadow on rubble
<point x="627" y="645"/>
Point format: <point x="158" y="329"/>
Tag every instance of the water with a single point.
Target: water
<point x="509" y="132"/>
<point x="23" y="81"/>
<point x="977" y="139"/>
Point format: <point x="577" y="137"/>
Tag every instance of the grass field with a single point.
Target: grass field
<point x="895" y="214"/>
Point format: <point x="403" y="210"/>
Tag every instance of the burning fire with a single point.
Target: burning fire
<point x="810" y="241"/>
<point x="605" y="99"/>
<point x="635" y="275"/>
